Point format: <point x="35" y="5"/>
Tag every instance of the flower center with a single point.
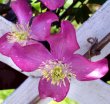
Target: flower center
<point x="19" y="35"/>
<point x="56" y="71"/>
<point x="57" y="75"/>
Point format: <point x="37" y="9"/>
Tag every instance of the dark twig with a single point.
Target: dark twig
<point x="97" y="46"/>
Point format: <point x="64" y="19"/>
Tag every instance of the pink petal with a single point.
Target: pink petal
<point x="5" y="46"/>
<point x="64" y="43"/>
<point x="58" y="93"/>
<point x="86" y="70"/>
<point x="28" y="58"/>
<point x="53" y="4"/>
<point x="22" y="10"/>
<point x="41" y="25"/>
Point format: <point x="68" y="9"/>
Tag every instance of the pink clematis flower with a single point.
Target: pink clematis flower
<point x="53" y="4"/>
<point x="24" y="34"/>
<point x="60" y="64"/>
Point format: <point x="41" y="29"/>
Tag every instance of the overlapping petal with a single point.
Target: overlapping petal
<point x="5" y="46"/>
<point x="53" y="4"/>
<point x="41" y="25"/>
<point x="64" y="43"/>
<point x="86" y="70"/>
<point x="29" y="57"/>
<point x="22" y="10"/>
<point x="58" y="93"/>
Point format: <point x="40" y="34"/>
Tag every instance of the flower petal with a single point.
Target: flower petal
<point x="28" y="58"/>
<point x="58" y="93"/>
<point x="86" y="70"/>
<point x="53" y="4"/>
<point x="5" y="46"/>
<point x="41" y="25"/>
<point x="22" y="10"/>
<point x="64" y="43"/>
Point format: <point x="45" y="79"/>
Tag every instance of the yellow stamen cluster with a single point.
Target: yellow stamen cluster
<point x="56" y="72"/>
<point x="57" y="75"/>
<point x="20" y="35"/>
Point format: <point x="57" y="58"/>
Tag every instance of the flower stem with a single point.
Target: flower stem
<point x="35" y="100"/>
<point x="97" y="47"/>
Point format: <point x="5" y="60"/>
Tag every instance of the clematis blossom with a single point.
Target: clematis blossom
<point x="53" y="4"/>
<point x="25" y="34"/>
<point x="60" y="64"/>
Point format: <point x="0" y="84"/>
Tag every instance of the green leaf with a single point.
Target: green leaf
<point x="36" y="5"/>
<point x="3" y="1"/>
<point x="68" y="3"/>
<point x="108" y="82"/>
<point x="4" y="94"/>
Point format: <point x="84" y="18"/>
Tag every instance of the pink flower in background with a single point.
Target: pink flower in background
<point x="60" y="64"/>
<point x="53" y="4"/>
<point x="23" y="34"/>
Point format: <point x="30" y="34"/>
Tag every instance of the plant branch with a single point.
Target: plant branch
<point x="97" y="46"/>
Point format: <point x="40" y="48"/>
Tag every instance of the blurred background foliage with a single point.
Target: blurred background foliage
<point x="4" y="94"/>
<point x="76" y="11"/>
